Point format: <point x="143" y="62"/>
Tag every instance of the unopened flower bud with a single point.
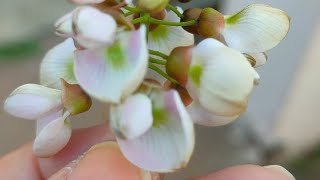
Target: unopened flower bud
<point x="183" y="92"/>
<point x="210" y="24"/>
<point x="159" y="15"/>
<point x="121" y="20"/>
<point x="177" y="65"/>
<point x="74" y="99"/>
<point x="191" y="14"/>
<point x="152" y="6"/>
<point x="86" y="1"/>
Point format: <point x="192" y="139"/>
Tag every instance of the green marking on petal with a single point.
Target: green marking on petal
<point x="70" y="70"/>
<point x="234" y="19"/>
<point x="115" y="55"/>
<point x="159" y="116"/>
<point x="195" y="73"/>
<point x="159" y="33"/>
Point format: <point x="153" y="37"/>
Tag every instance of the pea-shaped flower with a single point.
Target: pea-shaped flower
<point x="154" y="130"/>
<point x="50" y="108"/>
<point x="219" y="80"/>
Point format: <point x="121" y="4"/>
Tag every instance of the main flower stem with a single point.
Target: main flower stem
<point x="132" y="9"/>
<point x="157" y="61"/>
<point x="162" y="22"/>
<point x="175" y="10"/>
<point x="157" y="53"/>
<point x="165" y="75"/>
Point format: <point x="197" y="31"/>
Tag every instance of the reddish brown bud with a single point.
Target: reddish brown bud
<point x="178" y="63"/>
<point x="74" y="99"/>
<point x="184" y="94"/>
<point x="108" y="4"/>
<point x="189" y="15"/>
<point x="159" y="15"/>
<point x="210" y="24"/>
<point x="119" y="18"/>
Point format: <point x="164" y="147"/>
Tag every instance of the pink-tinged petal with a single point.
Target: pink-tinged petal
<point x="64" y="25"/>
<point x="32" y="101"/>
<point x="58" y="64"/>
<point x="86" y="1"/>
<point x="53" y="134"/>
<point x="116" y="71"/>
<point x="169" y="144"/>
<point x="257" y="28"/>
<point x="200" y="116"/>
<point x="132" y="118"/>
<point x="92" y="28"/>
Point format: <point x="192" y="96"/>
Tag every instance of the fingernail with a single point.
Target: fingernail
<point x="281" y="170"/>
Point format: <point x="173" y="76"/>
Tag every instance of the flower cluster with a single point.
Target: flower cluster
<point x="140" y="57"/>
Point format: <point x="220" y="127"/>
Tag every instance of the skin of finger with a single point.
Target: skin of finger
<point x="80" y="142"/>
<point x="20" y="164"/>
<point x="244" y="172"/>
<point x="105" y="162"/>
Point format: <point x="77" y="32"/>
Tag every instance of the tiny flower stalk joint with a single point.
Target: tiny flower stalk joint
<point x="140" y="57"/>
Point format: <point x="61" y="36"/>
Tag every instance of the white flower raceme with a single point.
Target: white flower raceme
<point x="89" y="27"/>
<point x="256" y="29"/>
<point x="111" y="73"/>
<point x="36" y="102"/>
<point x="154" y="130"/>
<point x="58" y="64"/>
<point x="220" y="80"/>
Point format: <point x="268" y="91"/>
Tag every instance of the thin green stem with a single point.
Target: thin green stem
<point x="128" y="14"/>
<point x="157" y="53"/>
<point x="162" y="22"/>
<point x="175" y="10"/>
<point x="169" y="23"/>
<point x="159" y="71"/>
<point x="157" y="61"/>
<point x="132" y="9"/>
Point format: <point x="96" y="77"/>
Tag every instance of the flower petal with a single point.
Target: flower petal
<point x="169" y="144"/>
<point x="64" y="25"/>
<point x="93" y="28"/>
<point x="259" y="59"/>
<point x="116" y="71"/>
<point x="200" y="116"/>
<point x="32" y="101"/>
<point x="255" y="29"/>
<point x="165" y="38"/>
<point x="57" y="64"/>
<point x="132" y="118"/>
<point x="53" y="133"/>
<point x="220" y="78"/>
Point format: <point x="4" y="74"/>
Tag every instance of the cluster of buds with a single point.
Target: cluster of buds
<point x="140" y="58"/>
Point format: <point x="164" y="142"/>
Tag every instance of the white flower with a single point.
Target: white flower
<point x="89" y="27"/>
<point x="111" y="73"/>
<point x="36" y="102"/>
<point x="220" y="80"/>
<point x="256" y="29"/>
<point x="154" y="131"/>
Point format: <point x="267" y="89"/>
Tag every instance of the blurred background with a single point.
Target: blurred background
<point x="281" y="125"/>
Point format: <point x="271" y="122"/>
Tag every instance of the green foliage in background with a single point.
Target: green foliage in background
<point x="19" y="50"/>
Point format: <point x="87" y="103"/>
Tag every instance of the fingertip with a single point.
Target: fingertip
<point x="104" y="161"/>
<point x="245" y="172"/>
